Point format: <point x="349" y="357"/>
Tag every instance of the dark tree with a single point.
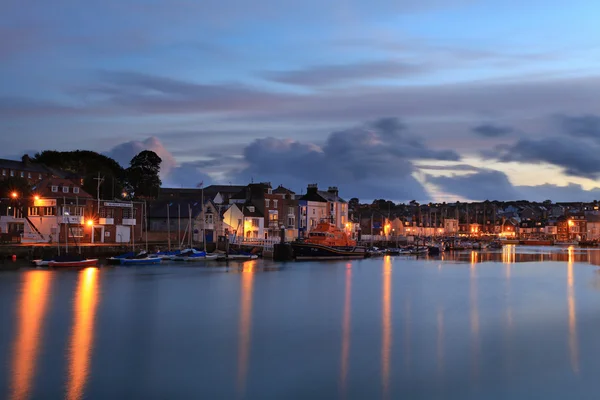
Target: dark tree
<point x="87" y="165"/>
<point x="353" y="204"/>
<point x="143" y="174"/>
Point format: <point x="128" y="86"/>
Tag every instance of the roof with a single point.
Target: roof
<point x="283" y="190"/>
<point x="44" y="188"/>
<point x="329" y="196"/>
<point x="231" y="189"/>
<point x="247" y="213"/>
<point x="177" y="208"/>
<point x="24" y="166"/>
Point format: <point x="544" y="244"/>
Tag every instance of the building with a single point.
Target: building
<point x="450" y="226"/>
<point x="245" y="221"/>
<point x="114" y="221"/>
<point x="317" y="205"/>
<point x="169" y="220"/>
<point x="26" y="169"/>
<point x="593" y="226"/>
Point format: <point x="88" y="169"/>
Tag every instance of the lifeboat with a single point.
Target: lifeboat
<point x="327" y="242"/>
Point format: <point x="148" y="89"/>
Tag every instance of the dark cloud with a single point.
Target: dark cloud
<point x="458" y="167"/>
<point x="188" y="175"/>
<point x="483" y="185"/>
<point x="342" y="73"/>
<point x="491" y="130"/>
<point x="494" y="185"/>
<point x="368" y="161"/>
<point x="585" y="126"/>
<point x="576" y="157"/>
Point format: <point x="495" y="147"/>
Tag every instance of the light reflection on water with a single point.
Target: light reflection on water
<point x="82" y="337"/>
<point x="31" y="313"/>
<point x="452" y="328"/>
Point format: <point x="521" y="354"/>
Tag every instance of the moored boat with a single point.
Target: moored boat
<point x="327" y="242"/>
<point x="141" y="260"/>
<point x="72" y="262"/>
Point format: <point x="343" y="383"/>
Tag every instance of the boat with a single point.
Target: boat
<point x="116" y="260"/>
<point x="236" y="257"/>
<point x="40" y="263"/>
<point x="327" y="242"/>
<point x="193" y="255"/>
<point x="165" y="255"/>
<point x="69" y="261"/>
<point x="140" y="259"/>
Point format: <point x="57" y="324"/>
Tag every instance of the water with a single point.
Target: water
<point x="520" y="323"/>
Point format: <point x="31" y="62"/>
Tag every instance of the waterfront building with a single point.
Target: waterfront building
<point x="317" y="205"/>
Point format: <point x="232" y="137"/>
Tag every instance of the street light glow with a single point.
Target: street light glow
<point x="36" y="197"/>
<point x="14" y="195"/>
<point x="90" y="222"/>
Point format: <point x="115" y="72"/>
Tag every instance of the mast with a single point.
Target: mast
<point x="146" y="223"/>
<point x="190" y="225"/>
<point x="179" y="226"/>
<point x="76" y="212"/>
<point x="203" y="221"/>
<point x="168" y="227"/>
<point x="66" y="228"/>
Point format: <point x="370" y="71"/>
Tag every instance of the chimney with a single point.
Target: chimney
<point x="312" y="188"/>
<point x="25" y="159"/>
<point x="333" y="190"/>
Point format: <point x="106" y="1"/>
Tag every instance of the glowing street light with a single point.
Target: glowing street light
<point x="14" y="195"/>
<point x="36" y="197"/>
<point x="90" y="222"/>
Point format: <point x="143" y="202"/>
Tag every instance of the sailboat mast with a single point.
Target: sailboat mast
<point x="203" y="221"/>
<point x="168" y="227"/>
<point x="179" y="222"/>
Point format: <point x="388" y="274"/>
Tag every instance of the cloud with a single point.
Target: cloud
<point x="483" y="185"/>
<point x="487" y="184"/>
<point x="584" y="126"/>
<point x="188" y="175"/>
<point x="324" y="75"/>
<point x="124" y="152"/>
<point x="576" y="157"/>
<point x="374" y="160"/>
<point x="492" y="131"/>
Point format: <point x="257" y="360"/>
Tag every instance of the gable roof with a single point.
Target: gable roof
<point x="43" y="188"/>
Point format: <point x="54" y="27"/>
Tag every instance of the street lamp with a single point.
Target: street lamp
<point x="14" y="195"/>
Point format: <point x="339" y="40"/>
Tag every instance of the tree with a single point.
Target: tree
<point x="353" y="204"/>
<point x="143" y="174"/>
<point x="86" y="165"/>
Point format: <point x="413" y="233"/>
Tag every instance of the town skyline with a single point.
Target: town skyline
<point x="425" y="100"/>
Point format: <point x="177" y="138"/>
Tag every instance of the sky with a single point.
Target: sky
<point x="427" y="100"/>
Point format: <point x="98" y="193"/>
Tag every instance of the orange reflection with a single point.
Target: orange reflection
<point x="386" y="343"/>
<point x="573" y="342"/>
<point x="346" y="330"/>
<point x="247" y="283"/>
<point x="31" y="311"/>
<point x="82" y="337"/>
<point x="474" y="313"/>
<point x="508" y="258"/>
<point x="440" y="341"/>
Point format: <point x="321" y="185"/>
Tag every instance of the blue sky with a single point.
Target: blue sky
<point x="498" y="84"/>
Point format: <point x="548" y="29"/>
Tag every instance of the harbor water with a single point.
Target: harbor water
<point x="515" y="323"/>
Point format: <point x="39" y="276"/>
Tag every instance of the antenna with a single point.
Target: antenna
<point x="100" y="180"/>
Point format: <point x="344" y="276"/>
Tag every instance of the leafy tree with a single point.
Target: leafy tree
<point x="353" y="204"/>
<point x="143" y="174"/>
<point x="87" y="165"/>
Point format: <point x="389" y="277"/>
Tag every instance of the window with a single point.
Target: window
<point x="22" y="174"/>
<point x="78" y="211"/>
<point x="209" y="218"/>
<point x="54" y="189"/>
<point x="275" y="203"/>
<point x="267" y="202"/>
<point x="291" y="211"/>
<point x="251" y="208"/>
<point x="48" y="211"/>
<point x="76" y="190"/>
<point x="12" y="173"/>
<point x="29" y="175"/>
<point x="66" y="210"/>
<point x="314" y="211"/>
<point x="107" y="212"/>
<point x="40" y="176"/>
<point x="270" y="191"/>
<point x="75" y="231"/>
<point x="291" y="222"/>
<point x="255" y="222"/>
<point x="128" y="213"/>
<point x="33" y="211"/>
<point x="3" y="172"/>
<point x="65" y="189"/>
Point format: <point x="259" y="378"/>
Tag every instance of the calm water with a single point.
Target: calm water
<point x="515" y="324"/>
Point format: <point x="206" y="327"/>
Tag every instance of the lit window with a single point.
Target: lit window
<point x="29" y="175"/>
<point x="3" y="172"/>
<point x="75" y="190"/>
<point x="54" y="189"/>
<point x="40" y="176"/>
<point x="65" y="189"/>
<point x="22" y="174"/>
<point x="12" y="173"/>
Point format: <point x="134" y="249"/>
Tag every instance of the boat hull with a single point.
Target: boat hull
<point x="73" y="264"/>
<point x="141" y="261"/>
<point x="309" y="251"/>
